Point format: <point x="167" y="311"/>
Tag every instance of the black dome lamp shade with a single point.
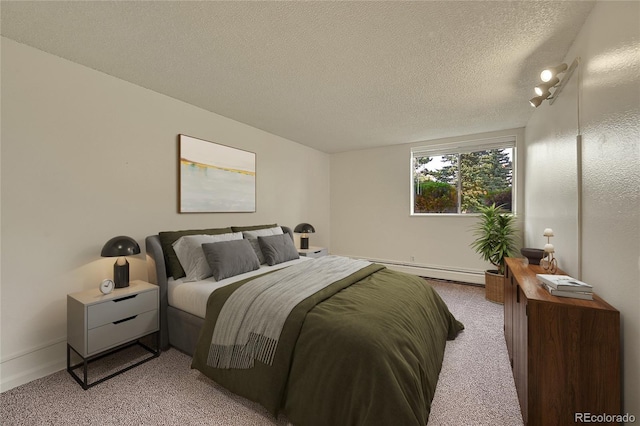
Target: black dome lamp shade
<point x="120" y="247"/>
<point x="304" y="229"/>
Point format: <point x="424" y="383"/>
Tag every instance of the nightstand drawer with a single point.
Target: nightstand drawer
<point x="113" y="310"/>
<point x="122" y="331"/>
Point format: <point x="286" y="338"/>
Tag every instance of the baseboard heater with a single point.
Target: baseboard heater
<point x="431" y="271"/>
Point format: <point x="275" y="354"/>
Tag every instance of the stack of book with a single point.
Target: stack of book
<point x="566" y="286"/>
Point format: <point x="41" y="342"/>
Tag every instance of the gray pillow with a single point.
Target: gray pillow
<point x="167" y="238"/>
<point x="252" y="235"/>
<point x="278" y="249"/>
<point x="189" y="251"/>
<point x="230" y="258"/>
<point x="256" y="249"/>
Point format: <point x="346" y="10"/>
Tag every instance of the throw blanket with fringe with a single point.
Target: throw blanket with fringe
<point x="251" y="320"/>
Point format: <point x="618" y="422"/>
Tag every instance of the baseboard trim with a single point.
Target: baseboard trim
<point x="31" y="350"/>
<point x="27" y="366"/>
<point x="432" y="271"/>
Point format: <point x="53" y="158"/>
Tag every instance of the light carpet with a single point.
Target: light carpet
<point x="475" y="386"/>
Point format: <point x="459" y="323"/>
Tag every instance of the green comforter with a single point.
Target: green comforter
<point x="367" y="350"/>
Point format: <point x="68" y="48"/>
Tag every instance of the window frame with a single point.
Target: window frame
<point x="465" y="147"/>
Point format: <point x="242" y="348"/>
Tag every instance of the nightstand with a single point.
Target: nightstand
<point x="100" y="324"/>
<point x="313" y="252"/>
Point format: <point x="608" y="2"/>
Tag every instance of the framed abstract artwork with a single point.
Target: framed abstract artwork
<point x="215" y="178"/>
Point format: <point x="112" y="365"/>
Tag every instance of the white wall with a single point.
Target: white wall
<point x="370" y="214"/>
<point x="86" y="157"/>
<point x="608" y="86"/>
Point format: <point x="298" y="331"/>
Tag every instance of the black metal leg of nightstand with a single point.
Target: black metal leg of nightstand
<point x="70" y="368"/>
<point x="156" y="339"/>
<point x="85" y="361"/>
<point x="85" y="368"/>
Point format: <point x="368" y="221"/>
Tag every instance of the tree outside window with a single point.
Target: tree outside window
<point x="463" y="182"/>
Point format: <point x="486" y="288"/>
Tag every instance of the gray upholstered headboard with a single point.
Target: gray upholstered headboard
<point x="157" y="271"/>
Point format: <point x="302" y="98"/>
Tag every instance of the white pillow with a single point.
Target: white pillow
<point x="191" y="256"/>
<point x="252" y="236"/>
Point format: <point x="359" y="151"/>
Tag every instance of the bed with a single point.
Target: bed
<point x="358" y="344"/>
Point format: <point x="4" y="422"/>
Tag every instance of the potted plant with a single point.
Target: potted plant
<point x="495" y="240"/>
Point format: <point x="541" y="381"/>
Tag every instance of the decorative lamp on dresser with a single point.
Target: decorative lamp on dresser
<point x="99" y="324"/>
<point x="564" y="352"/>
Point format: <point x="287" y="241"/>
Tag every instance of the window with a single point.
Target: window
<point x="460" y="179"/>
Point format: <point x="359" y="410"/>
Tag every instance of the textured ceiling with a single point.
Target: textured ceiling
<point x="335" y="76"/>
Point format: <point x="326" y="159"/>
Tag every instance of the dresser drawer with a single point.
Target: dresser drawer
<point x="117" y="309"/>
<point x="122" y="331"/>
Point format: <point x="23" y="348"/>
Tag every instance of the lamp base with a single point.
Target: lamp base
<point x="304" y="242"/>
<point x="121" y="274"/>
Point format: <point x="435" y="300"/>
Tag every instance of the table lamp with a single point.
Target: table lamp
<point x="120" y="247"/>
<point x="304" y="229"/>
<point x="550" y="263"/>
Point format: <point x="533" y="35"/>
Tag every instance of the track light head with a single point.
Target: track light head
<point x="543" y="88"/>
<point x="537" y="101"/>
<point x="543" y="94"/>
<point x="550" y="73"/>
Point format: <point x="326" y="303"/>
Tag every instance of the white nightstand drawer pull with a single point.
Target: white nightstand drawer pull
<point x="117" y="309"/>
<point x="123" y="320"/>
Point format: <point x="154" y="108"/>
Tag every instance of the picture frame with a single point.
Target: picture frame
<point x="215" y="178"/>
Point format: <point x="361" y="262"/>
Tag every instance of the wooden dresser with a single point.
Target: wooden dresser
<point x="565" y="353"/>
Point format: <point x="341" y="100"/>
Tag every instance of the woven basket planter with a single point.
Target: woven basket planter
<point x="494" y="286"/>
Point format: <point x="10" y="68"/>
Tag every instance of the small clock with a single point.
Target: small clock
<point x="106" y="286"/>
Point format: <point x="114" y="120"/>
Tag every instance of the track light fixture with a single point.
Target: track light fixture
<point x="550" y="80"/>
